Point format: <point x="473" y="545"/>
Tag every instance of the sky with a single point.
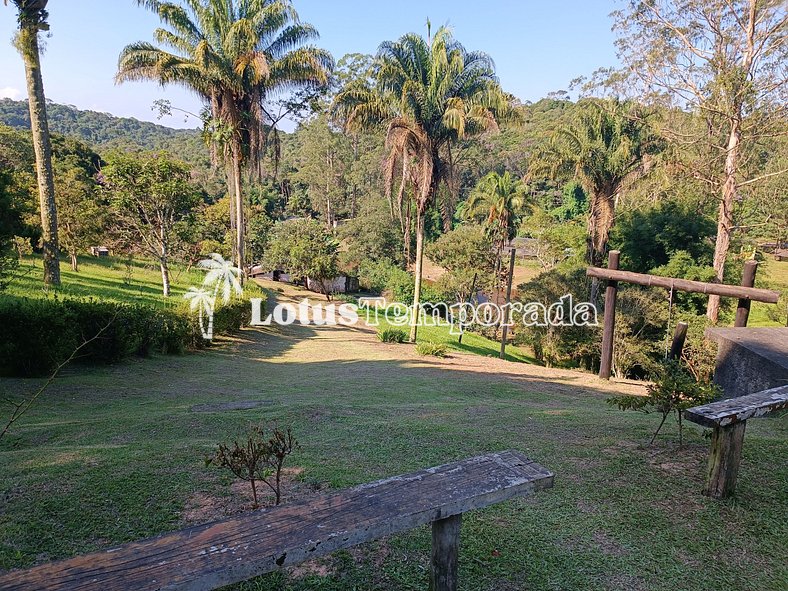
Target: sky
<point x="538" y="46"/>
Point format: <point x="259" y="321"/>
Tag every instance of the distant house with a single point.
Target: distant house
<point x="524" y="247"/>
<point x="341" y="284"/>
<point x="99" y="251"/>
<point x="277" y="275"/>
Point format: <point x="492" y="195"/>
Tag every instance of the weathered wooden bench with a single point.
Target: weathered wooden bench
<point x="729" y="418"/>
<point x="236" y="549"/>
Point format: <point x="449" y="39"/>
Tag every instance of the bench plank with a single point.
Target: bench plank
<point x="231" y="550"/>
<point x="735" y="410"/>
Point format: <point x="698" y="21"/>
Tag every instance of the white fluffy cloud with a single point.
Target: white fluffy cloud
<point x="8" y="92"/>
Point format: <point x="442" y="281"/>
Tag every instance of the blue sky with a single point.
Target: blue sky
<point x="538" y="46"/>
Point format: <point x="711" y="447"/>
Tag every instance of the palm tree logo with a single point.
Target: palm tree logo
<point x="222" y="276"/>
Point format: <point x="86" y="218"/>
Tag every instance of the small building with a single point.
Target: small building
<point x="99" y="251"/>
<point x="526" y="248"/>
<point x="276" y="275"/>
<point x="340" y="284"/>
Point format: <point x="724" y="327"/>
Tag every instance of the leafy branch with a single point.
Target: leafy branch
<point x="20" y="407"/>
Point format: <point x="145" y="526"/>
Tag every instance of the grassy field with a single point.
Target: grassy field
<point x="773" y="275"/>
<point x="107" y="279"/>
<point x="471" y="342"/>
<point x="113" y="454"/>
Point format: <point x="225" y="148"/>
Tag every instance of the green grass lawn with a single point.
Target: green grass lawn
<point x="471" y="342"/>
<point x="113" y="454"/>
<point x="773" y="275"/>
<point x="106" y="279"/>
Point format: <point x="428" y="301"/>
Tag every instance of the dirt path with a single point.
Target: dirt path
<point x="360" y="343"/>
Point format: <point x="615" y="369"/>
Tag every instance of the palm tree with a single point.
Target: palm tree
<point x="604" y="147"/>
<point x="234" y="54"/>
<point x="202" y="300"/>
<point x="431" y="94"/>
<point x="496" y="200"/>
<point x="32" y="16"/>
<point x="222" y="275"/>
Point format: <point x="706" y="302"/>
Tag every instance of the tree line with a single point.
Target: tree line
<point x="395" y="150"/>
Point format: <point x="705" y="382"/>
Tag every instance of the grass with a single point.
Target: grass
<point x="472" y="342"/>
<point x="116" y="453"/>
<point x="106" y="279"/>
<point x="772" y="274"/>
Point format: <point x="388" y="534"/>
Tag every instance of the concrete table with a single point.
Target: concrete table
<point x="750" y="360"/>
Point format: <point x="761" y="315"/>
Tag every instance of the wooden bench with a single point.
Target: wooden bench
<point x="729" y="418"/>
<point x="236" y="549"/>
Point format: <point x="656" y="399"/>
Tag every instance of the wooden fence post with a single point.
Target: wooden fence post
<point x="678" y="340"/>
<point x="747" y="280"/>
<point x="445" y="547"/>
<point x="508" y="312"/>
<point x="724" y="460"/>
<point x="609" y="328"/>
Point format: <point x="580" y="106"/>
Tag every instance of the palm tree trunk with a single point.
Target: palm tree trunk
<point x="600" y="222"/>
<point x="725" y="217"/>
<point x="417" y="286"/>
<point x="407" y="236"/>
<point x="28" y="47"/>
<point x="239" y="209"/>
<point x="231" y="194"/>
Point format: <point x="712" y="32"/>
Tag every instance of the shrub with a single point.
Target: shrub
<point x="674" y="391"/>
<point x="392" y="335"/>
<point x="40" y="333"/>
<point x="430" y="348"/>
<point x="257" y="458"/>
<point x="383" y="275"/>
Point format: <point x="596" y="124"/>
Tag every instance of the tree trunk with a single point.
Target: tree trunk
<point x="407" y="234"/>
<point x="600" y="222"/>
<point x="28" y="47"/>
<point x="417" y="286"/>
<point x="725" y="217"/>
<point x="240" y="236"/>
<point x="74" y="262"/>
<point x="165" y="272"/>
<point x="231" y="194"/>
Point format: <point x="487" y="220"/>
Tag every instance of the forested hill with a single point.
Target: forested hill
<point x="105" y="131"/>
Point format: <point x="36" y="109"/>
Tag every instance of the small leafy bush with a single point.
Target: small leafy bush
<point x="258" y="458"/>
<point x="392" y="335"/>
<point x="674" y="390"/>
<point x="434" y="349"/>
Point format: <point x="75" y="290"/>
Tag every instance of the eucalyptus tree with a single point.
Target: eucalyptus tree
<point x="234" y="54"/>
<point x="604" y="147"/>
<point x="430" y="93"/>
<point x="32" y="16"/>
<point x="723" y="61"/>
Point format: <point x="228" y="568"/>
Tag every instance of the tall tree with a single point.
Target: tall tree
<point x="724" y="61"/>
<point x="495" y="200"/>
<point x="431" y="93"/>
<point x="603" y="147"/>
<point x="151" y="194"/>
<point x="32" y="16"/>
<point x="234" y="54"/>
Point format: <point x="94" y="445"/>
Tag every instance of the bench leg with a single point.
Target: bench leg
<point x="445" y="546"/>
<point x="726" y="446"/>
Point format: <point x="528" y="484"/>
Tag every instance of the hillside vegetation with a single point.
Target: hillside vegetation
<point x="104" y="131"/>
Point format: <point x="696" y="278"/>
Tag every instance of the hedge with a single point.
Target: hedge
<point x="38" y="334"/>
